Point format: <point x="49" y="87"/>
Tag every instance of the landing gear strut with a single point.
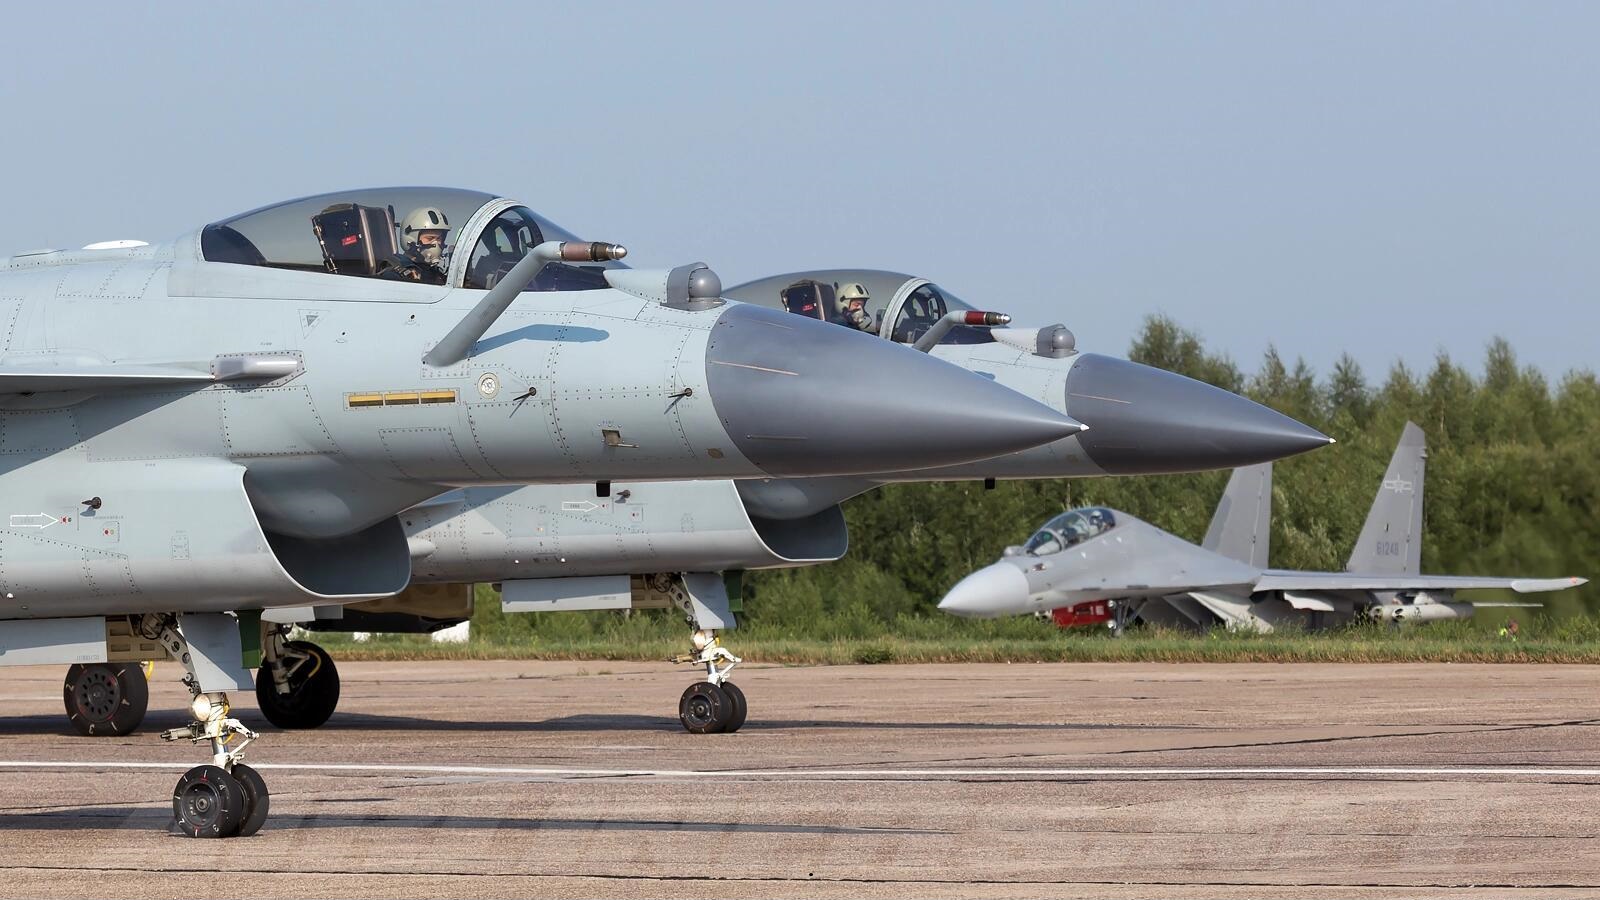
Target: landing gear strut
<point x="225" y="798"/>
<point x="297" y="685"/>
<point x="106" y="699"/>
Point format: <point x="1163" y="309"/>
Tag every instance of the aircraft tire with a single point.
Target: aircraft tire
<point x="256" y="799"/>
<point x="704" y="708"/>
<point x="105" y="699"/>
<point x="312" y="697"/>
<point x="208" y="803"/>
<point x="740" y="707"/>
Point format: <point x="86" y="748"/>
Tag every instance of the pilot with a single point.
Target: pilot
<point x="850" y="307"/>
<point x="423" y="252"/>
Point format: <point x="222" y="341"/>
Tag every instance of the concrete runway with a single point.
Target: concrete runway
<point x="452" y="779"/>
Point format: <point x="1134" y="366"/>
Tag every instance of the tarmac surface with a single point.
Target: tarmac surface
<point x="467" y="779"/>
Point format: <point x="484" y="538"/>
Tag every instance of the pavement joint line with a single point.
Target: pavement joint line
<point x="865" y="774"/>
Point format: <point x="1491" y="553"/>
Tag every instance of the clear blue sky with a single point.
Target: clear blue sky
<point x="1388" y="179"/>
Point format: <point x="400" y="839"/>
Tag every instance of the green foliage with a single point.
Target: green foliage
<point x="943" y="639"/>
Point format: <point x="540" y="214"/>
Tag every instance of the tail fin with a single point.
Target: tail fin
<point x="1391" y="541"/>
<point x="1240" y="528"/>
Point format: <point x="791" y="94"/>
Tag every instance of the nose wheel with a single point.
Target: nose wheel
<point x="208" y="803"/>
<point x="740" y="708"/>
<point x="213" y="802"/>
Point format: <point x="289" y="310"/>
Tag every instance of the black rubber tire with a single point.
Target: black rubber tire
<point x="740" y="707"/>
<point x="208" y="803"/>
<point x="313" y="691"/>
<point x="106" y="699"/>
<point x="257" y="800"/>
<point x="704" y="708"/>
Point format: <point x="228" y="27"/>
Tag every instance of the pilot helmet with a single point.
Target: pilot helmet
<point x="847" y="292"/>
<point x="421" y="220"/>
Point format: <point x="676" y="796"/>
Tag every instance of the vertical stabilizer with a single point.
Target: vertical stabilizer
<point x="1391" y="541"/>
<point x="1241" y="525"/>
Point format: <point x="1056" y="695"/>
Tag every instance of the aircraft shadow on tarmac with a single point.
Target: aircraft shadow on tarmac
<point x="347" y="721"/>
<point x="113" y="818"/>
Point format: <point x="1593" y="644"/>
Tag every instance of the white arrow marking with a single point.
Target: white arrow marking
<point x="579" y="506"/>
<point x="36" y="520"/>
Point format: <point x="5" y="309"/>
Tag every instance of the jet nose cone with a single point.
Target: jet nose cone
<point x="994" y="590"/>
<point x="803" y="397"/>
<point x="1147" y="420"/>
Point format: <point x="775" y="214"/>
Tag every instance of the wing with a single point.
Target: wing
<point x="1283" y="580"/>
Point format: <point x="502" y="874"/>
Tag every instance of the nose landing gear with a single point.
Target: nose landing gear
<point x="225" y="798"/>
<point x="716" y="705"/>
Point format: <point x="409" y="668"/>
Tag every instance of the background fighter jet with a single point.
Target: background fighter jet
<point x="230" y="421"/>
<point x="1095" y="554"/>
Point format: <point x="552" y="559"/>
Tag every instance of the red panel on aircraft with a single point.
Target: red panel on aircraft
<point x="1091" y="613"/>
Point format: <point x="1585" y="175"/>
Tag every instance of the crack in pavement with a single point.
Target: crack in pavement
<point x="1532" y="726"/>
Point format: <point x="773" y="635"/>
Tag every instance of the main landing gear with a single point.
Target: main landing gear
<point x="106" y="699"/>
<point x="716" y="705"/>
<point x="225" y="798"/>
<point x="297" y="685"/>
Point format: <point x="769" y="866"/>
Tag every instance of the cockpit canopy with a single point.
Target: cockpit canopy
<point x="1070" y="528"/>
<point x="428" y="235"/>
<point x="891" y="304"/>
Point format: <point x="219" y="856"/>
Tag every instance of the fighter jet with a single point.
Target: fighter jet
<point x="1141" y="420"/>
<point x="663" y="544"/>
<point x="1094" y="554"/>
<point x="653" y="544"/>
<point x="228" y="422"/>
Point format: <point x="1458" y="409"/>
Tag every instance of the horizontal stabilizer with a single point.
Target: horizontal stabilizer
<point x="1280" y="580"/>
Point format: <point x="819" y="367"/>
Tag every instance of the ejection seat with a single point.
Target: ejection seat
<point x="812" y="299"/>
<point x="355" y="240"/>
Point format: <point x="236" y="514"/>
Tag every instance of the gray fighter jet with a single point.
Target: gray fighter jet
<point x="229" y="422"/>
<point x="1094" y="554"/>
<point x="654" y="544"/>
